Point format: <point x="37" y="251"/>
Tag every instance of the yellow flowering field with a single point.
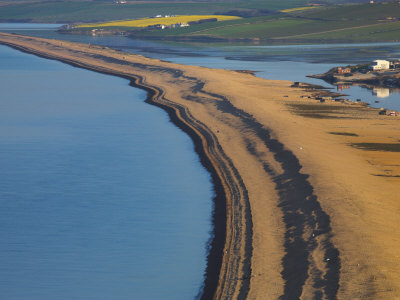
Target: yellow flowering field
<point x="162" y="21"/>
<point x="297" y="9"/>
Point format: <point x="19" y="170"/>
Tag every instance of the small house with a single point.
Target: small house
<point x="342" y="70"/>
<point x="380" y="65"/>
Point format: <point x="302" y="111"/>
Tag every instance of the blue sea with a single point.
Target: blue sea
<point x="101" y="196"/>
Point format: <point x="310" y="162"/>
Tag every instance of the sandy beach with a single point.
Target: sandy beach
<point x="307" y="193"/>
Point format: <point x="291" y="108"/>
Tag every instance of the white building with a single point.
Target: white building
<point x="381" y="65"/>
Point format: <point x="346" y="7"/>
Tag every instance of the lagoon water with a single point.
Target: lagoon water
<point x="101" y="197"/>
<point x="285" y="62"/>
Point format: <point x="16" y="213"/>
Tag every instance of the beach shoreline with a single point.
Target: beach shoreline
<point x="276" y="231"/>
<point x="217" y="240"/>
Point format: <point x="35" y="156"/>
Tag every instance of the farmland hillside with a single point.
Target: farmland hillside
<point x="290" y="21"/>
<point x="95" y="11"/>
<point x="67" y="11"/>
<point x="340" y="23"/>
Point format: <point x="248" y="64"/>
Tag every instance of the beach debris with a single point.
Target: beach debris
<point x="384" y="112"/>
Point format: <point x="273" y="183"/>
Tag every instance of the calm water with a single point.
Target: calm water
<point x="288" y="62"/>
<point x="101" y="197"/>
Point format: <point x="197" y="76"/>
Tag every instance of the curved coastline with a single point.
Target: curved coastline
<point x="282" y="207"/>
<point x="216" y="243"/>
<point x="202" y="139"/>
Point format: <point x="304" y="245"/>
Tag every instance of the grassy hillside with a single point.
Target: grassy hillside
<point x="364" y="11"/>
<point x="370" y="33"/>
<point x="94" y="11"/>
<point x="361" y="22"/>
<point x="277" y="21"/>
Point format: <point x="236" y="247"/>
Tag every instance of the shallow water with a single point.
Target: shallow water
<point x="101" y="197"/>
<point x="285" y="62"/>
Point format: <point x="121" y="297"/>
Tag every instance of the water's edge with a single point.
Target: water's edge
<point x="216" y="242"/>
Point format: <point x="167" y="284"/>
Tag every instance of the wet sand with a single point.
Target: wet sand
<point x="307" y="193"/>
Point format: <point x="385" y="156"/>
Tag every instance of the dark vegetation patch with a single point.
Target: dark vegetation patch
<point x="321" y="108"/>
<point x="248" y="13"/>
<point x="388" y="147"/>
<point x="344" y="133"/>
<point x="323" y="111"/>
<point x="320" y="116"/>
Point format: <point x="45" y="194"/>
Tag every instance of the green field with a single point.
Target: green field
<point x="204" y="29"/>
<point x="355" y="11"/>
<point x="95" y="11"/>
<point x="349" y="23"/>
<point x="371" y="33"/>
<point x="277" y="29"/>
<point x="326" y="23"/>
